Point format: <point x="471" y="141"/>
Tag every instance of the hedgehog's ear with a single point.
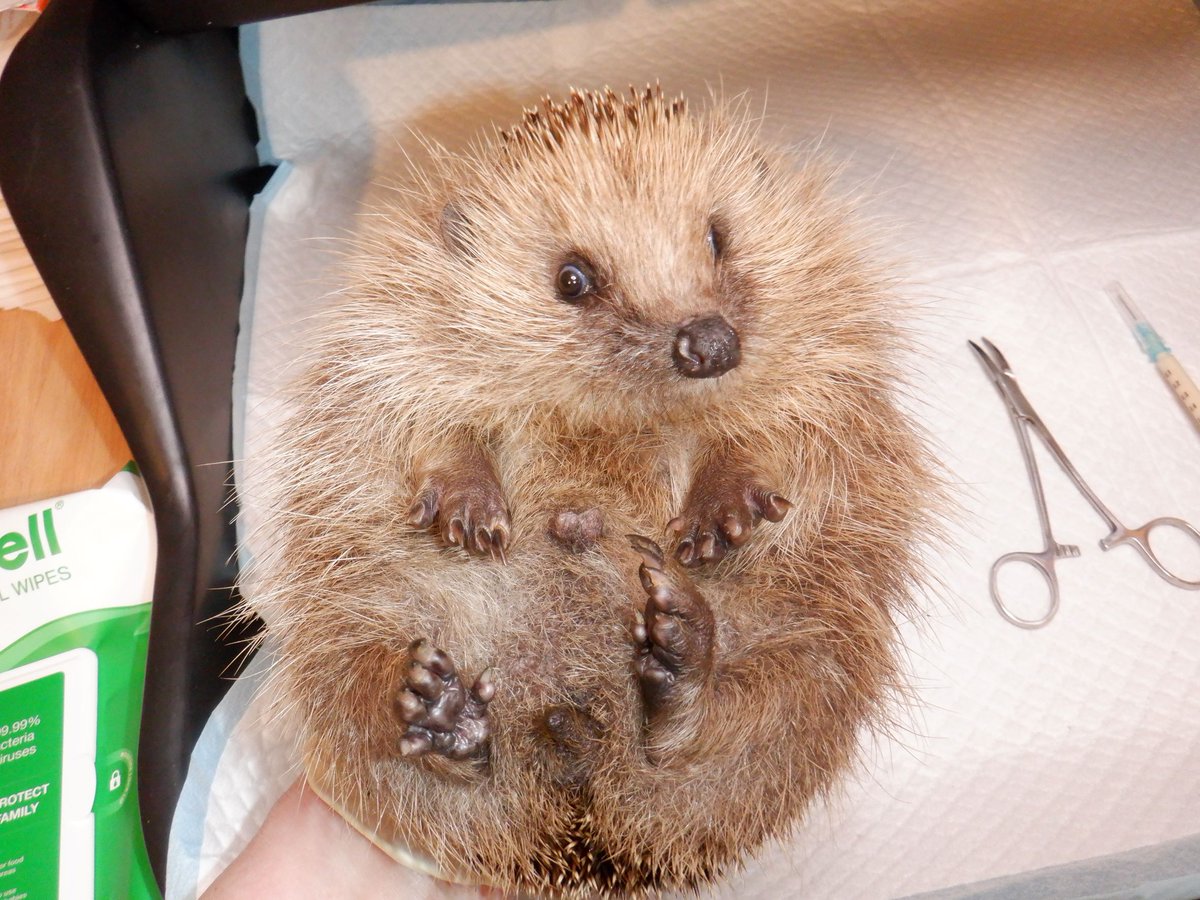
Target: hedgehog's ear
<point x="457" y="231"/>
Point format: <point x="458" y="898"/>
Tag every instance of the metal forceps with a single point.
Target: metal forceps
<point x="1024" y="420"/>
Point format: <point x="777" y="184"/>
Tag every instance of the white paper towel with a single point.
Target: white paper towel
<point x="1023" y="155"/>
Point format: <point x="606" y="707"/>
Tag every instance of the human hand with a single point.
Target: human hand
<point x="304" y="849"/>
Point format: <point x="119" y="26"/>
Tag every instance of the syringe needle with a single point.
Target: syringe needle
<point x="1152" y="345"/>
<point x="1123" y="302"/>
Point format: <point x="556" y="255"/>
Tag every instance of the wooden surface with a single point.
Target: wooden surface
<point x="58" y="434"/>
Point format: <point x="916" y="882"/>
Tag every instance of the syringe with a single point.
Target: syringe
<point x="1172" y="372"/>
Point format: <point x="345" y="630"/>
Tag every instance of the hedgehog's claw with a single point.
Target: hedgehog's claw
<point x="651" y="553"/>
<point x="423" y="510"/>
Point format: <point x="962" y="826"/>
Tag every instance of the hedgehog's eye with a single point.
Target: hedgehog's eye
<point x="715" y="242"/>
<point x="575" y="281"/>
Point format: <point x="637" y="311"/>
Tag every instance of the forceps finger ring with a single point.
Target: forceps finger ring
<point x="1043" y="563"/>
<point x="1140" y="538"/>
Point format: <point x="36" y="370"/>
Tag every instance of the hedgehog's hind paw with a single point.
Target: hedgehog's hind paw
<point x="439" y="713"/>
<point x="673" y="647"/>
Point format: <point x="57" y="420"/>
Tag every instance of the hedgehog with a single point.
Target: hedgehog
<point x="598" y="510"/>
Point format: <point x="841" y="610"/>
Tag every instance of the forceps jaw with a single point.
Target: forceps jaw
<point x="1000" y="373"/>
<point x="997" y="358"/>
<point x="990" y="366"/>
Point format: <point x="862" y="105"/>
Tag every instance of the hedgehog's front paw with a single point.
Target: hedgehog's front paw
<point x="468" y="510"/>
<point x="439" y="714"/>
<point x="673" y="642"/>
<point x="719" y="517"/>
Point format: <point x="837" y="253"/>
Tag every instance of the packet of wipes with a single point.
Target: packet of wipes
<point x="76" y="575"/>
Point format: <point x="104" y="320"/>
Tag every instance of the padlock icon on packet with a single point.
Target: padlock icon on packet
<point x="114" y="781"/>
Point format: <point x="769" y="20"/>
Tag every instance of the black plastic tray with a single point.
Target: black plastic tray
<point x="127" y="159"/>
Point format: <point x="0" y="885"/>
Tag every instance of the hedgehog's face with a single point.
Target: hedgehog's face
<point x="702" y="345"/>
<point x="642" y="277"/>
<point x="607" y="295"/>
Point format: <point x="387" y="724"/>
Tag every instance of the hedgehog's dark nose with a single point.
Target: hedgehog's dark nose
<point x="706" y="348"/>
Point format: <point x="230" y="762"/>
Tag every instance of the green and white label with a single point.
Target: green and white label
<point x="31" y="757"/>
<point x="75" y="584"/>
